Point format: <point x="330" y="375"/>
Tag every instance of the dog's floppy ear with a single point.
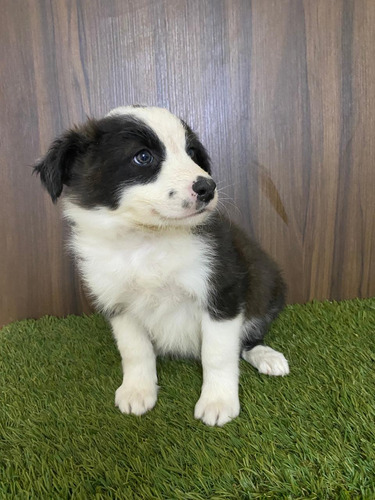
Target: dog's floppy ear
<point x="55" y="167"/>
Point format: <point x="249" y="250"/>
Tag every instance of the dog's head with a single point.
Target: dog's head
<point x="140" y="163"/>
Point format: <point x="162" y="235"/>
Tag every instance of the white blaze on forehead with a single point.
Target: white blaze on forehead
<point x="167" y="126"/>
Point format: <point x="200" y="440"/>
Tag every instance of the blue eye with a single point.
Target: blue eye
<point x="191" y="152"/>
<point x="143" y="158"/>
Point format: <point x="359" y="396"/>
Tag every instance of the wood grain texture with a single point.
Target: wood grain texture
<point x="282" y="93"/>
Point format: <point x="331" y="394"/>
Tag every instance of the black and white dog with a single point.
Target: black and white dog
<point x="172" y="275"/>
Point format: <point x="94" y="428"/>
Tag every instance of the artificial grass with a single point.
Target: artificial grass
<point x="308" y="435"/>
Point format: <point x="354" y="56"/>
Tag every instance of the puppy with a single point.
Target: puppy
<point x="172" y="275"/>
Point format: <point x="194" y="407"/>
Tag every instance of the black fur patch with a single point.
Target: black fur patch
<point x="229" y="279"/>
<point x="200" y="155"/>
<point x="55" y="167"/>
<point x="95" y="161"/>
<point x="244" y="279"/>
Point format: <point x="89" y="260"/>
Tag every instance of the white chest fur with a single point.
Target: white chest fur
<point x="159" y="278"/>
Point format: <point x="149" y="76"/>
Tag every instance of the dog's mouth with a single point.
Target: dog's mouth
<point x="194" y="211"/>
<point x="183" y="217"/>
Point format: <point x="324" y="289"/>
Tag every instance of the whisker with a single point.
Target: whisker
<point x="229" y="201"/>
<point x="222" y="206"/>
<point x="232" y="184"/>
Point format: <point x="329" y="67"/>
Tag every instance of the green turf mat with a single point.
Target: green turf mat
<point x="308" y="435"/>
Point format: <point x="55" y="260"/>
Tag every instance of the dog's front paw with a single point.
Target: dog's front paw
<point x="217" y="409"/>
<point x="136" y="399"/>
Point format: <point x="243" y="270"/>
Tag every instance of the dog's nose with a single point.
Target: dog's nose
<point x="205" y="189"/>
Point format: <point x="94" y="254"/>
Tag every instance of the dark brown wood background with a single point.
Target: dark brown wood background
<point x="282" y="93"/>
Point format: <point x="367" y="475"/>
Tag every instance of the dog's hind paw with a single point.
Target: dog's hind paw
<point x="266" y="360"/>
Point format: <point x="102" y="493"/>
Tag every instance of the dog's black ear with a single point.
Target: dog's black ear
<point x="55" y="167"/>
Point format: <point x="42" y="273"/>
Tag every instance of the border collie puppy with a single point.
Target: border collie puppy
<point x="173" y="276"/>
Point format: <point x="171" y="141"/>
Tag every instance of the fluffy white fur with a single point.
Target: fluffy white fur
<point x="162" y="276"/>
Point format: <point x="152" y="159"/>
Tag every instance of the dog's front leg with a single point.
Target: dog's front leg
<point x="138" y="391"/>
<point x="218" y="403"/>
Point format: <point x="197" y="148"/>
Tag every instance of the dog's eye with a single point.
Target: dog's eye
<point x="143" y="158"/>
<point x="191" y="152"/>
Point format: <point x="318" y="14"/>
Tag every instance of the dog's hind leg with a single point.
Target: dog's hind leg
<point x="265" y="359"/>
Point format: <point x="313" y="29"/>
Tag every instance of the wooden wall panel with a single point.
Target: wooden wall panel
<point x="282" y="93"/>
